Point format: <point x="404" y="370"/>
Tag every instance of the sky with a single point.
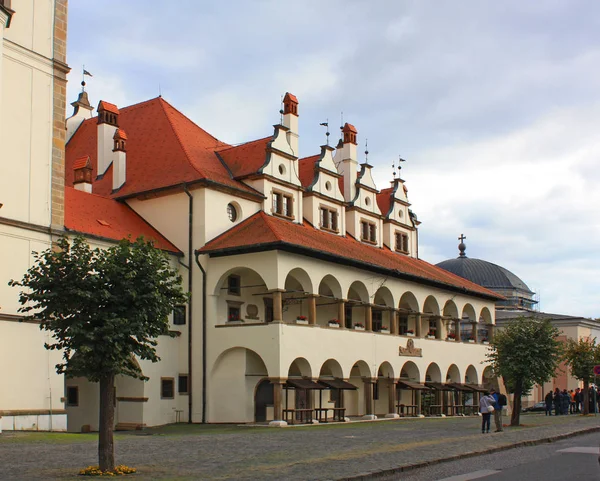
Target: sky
<point x="494" y="105"/>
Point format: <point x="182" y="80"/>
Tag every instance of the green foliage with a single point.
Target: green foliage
<point x="103" y="306"/>
<point x="525" y="353"/>
<point x="581" y="357"/>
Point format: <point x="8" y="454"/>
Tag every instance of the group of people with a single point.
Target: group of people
<point x="492" y="402"/>
<point x="569" y="402"/>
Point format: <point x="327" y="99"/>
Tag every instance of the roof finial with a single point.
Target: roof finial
<point x="326" y="125"/>
<point x="400" y="160"/>
<point x="281" y="112"/>
<point x="462" y="247"/>
<point x="394" y="169"/>
<point x="366" y="151"/>
<point x="84" y="72"/>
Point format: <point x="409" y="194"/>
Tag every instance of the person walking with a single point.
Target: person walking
<point x="548" y="401"/>
<point x="486" y="408"/>
<point x="566" y="401"/>
<point x="572" y="402"/>
<point x="500" y="402"/>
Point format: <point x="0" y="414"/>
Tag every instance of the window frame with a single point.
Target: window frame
<point x="401" y="240"/>
<point x="180" y="377"/>
<point x="233" y="290"/>
<point x="163" y="381"/>
<point x="282" y="204"/>
<point x="68" y="403"/>
<point x="370" y="229"/>
<point x="177" y="310"/>
<point x="328" y="218"/>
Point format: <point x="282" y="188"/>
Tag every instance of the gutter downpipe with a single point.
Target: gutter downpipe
<point x="197" y="254"/>
<point x="190" y="285"/>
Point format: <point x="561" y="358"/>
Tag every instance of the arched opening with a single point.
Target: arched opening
<point x="407" y="309"/>
<point x="356" y="401"/>
<point x="431" y="403"/>
<point x="468" y="324"/>
<point x="233" y="388"/>
<point x="409" y="393"/>
<point x="263" y="399"/>
<point x="238" y="298"/>
<point x="471" y="399"/>
<point x="295" y="299"/>
<point x="331" y="369"/>
<point x="485" y="327"/>
<point x="453" y="398"/>
<point x="328" y="302"/>
<point x="299" y="397"/>
<point x="331" y="375"/>
<point x="450" y="312"/>
<point x="432" y="325"/>
<point x="358" y="298"/>
<point x="384" y="390"/>
<point x="488" y="379"/>
<point x="382" y="312"/>
<point x="471" y="376"/>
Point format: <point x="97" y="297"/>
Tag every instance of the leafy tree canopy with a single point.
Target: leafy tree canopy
<point x="581" y="357"/>
<point x="103" y="306"/>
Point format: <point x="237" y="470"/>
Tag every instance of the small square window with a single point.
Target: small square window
<point x="72" y="396"/>
<point x="234" y="285"/>
<point x="183" y="384"/>
<point x="167" y="388"/>
<point x="233" y="313"/>
<point x="179" y="315"/>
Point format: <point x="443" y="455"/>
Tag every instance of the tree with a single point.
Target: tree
<point x="104" y="307"/>
<point x="525" y="353"/>
<point x="581" y="357"/>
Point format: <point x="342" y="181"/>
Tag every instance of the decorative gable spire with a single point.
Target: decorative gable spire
<point x="82" y="174"/>
<point x="349" y="133"/>
<point x="290" y="104"/>
<point x="108" y="114"/>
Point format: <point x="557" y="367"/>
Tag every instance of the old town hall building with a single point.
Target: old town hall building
<point x="308" y="300"/>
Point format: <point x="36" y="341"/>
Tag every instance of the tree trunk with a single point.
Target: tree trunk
<point x="586" y="397"/>
<point x="106" y="448"/>
<point x="515" y="417"/>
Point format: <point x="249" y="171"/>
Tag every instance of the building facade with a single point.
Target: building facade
<point x="32" y="135"/>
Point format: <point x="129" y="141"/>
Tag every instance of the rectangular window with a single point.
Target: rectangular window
<point x="234" y="285"/>
<point x="432" y="328"/>
<point x="183" y="384"/>
<point x="328" y="219"/>
<point x="167" y="388"/>
<point x="348" y="316"/>
<point x="368" y="231"/>
<point x="233" y="313"/>
<point x="283" y="204"/>
<point x="377" y="320"/>
<point x="375" y="391"/>
<point x="268" y="309"/>
<point x="72" y="396"/>
<point x="402" y="242"/>
<point x="402" y="325"/>
<point x="179" y="315"/>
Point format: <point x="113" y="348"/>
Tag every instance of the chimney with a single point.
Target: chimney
<point x="290" y="120"/>
<point x="82" y="174"/>
<point x="346" y="160"/>
<point x="82" y="110"/>
<point x="119" y="159"/>
<point x="108" y="123"/>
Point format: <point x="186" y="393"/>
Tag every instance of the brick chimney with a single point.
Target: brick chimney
<point x="82" y="174"/>
<point x="108" y="123"/>
<point x="346" y="160"/>
<point x="119" y="159"/>
<point x="290" y="120"/>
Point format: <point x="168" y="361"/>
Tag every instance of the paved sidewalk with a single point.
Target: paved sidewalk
<point x="299" y="453"/>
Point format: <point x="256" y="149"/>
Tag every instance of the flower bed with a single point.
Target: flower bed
<point x="120" y="470"/>
<point x="333" y="323"/>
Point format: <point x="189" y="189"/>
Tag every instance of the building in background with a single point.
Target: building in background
<point x="520" y="302"/>
<point x="33" y="74"/>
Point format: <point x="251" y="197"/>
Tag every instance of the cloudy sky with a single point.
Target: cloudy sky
<point x="495" y="106"/>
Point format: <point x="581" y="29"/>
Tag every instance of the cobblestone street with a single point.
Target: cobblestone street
<point x="299" y="453"/>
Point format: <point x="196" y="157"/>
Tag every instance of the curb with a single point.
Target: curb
<point x="470" y="454"/>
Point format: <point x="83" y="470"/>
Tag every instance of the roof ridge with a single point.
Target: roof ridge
<point x="268" y="218"/>
<point x="245" y="143"/>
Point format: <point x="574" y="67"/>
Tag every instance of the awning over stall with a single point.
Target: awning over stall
<point x="303" y="384"/>
<point x="438" y="386"/>
<point x="457" y="386"/>
<point x="337" y="384"/>
<point x="412" y="385"/>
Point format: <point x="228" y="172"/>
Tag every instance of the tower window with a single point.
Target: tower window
<point x="232" y="212"/>
<point x="283" y="205"/>
<point x="234" y="285"/>
<point x="368" y="231"/>
<point x="328" y="219"/>
<point x="401" y="242"/>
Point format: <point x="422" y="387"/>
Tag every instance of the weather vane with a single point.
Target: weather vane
<point x="84" y="72"/>
<point x="366" y="151"/>
<point x="326" y="125"/>
<point x="400" y="160"/>
<point x="281" y="112"/>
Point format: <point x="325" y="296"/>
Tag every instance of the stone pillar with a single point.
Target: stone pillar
<point x="491" y="329"/>
<point x="312" y="309"/>
<point x="457" y="329"/>
<point x="342" y="313"/>
<point x="474" y="330"/>
<point x="439" y="331"/>
<point x="277" y="307"/>
<point x="394" y="322"/>
<point x="418" y="401"/>
<point x="392" y="399"/>
<point x="368" y="383"/>
<point x="368" y="317"/>
<point x="418" y="326"/>
<point x="278" y="402"/>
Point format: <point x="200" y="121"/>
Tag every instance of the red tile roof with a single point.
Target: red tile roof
<point x="164" y="149"/>
<point x="108" y="218"/>
<point x="306" y="169"/>
<point x="81" y="163"/>
<point x="112" y="108"/>
<point x="349" y="128"/>
<point x="289" y="96"/>
<point x="120" y="135"/>
<point x="262" y="231"/>
<point x="246" y="159"/>
<point x="384" y="199"/>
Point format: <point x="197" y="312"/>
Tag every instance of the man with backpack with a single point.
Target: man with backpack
<point x="501" y="401"/>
